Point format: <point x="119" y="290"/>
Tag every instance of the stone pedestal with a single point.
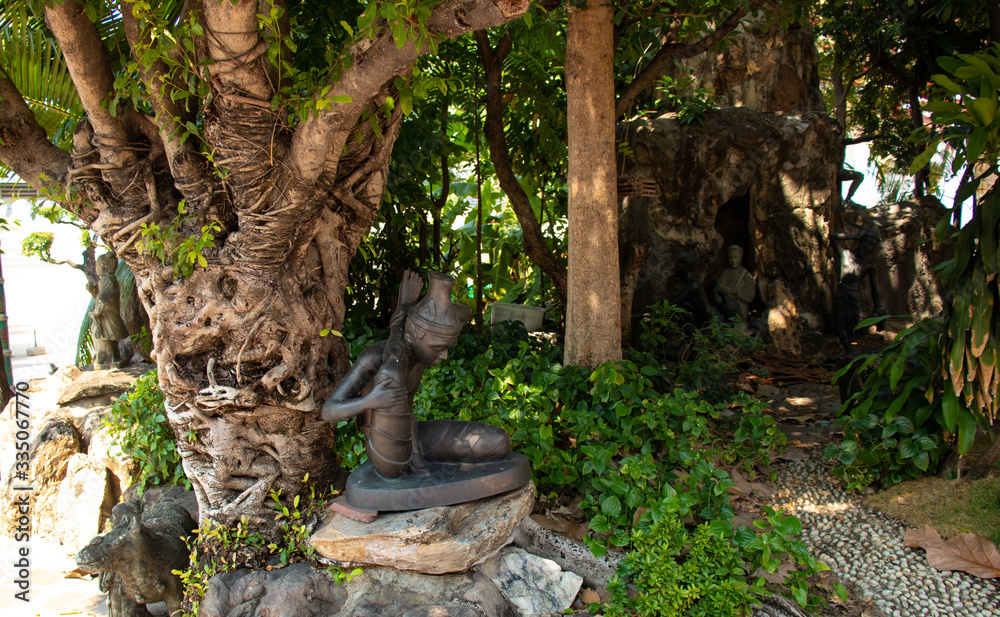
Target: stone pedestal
<point x="431" y="541"/>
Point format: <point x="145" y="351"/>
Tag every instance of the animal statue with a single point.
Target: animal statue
<point x="136" y="557"/>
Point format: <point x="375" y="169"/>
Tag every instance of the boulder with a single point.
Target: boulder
<point x="84" y="501"/>
<point x="764" y="182"/>
<point x="301" y="591"/>
<point x="535" y="585"/>
<point x="52" y="448"/>
<point x="90" y="384"/>
<point x="908" y="257"/>
<point x="763" y="67"/>
<point x="432" y="541"/>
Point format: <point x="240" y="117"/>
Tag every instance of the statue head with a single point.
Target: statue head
<point x="734" y="254"/>
<point x="106" y="264"/>
<point x="434" y="322"/>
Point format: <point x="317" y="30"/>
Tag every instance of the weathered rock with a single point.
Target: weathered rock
<point x="908" y="257"/>
<point x="761" y="181"/>
<point x="103" y="449"/>
<point x="568" y="553"/>
<point x="763" y="67"/>
<point x="432" y="541"/>
<point x="84" y="501"/>
<point x="50" y="452"/>
<point x="535" y="585"/>
<point x="301" y="591"/>
<point x="89" y="384"/>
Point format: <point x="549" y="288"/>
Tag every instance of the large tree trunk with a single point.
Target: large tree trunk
<point x="279" y="210"/>
<point x="593" y="315"/>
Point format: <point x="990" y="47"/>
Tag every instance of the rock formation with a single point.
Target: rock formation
<point x="764" y="182"/>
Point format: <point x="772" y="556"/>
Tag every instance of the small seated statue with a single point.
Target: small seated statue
<point x="107" y="327"/>
<point x="736" y="285"/>
<point x="379" y="390"/>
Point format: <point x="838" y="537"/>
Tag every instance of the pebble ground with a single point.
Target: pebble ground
<point x="864" y="548"/>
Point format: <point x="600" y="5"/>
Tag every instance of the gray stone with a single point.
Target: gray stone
<point x="89" y="384"/>
<point x="568" y="553"/>
<point x="301" y="591"/>
<point x="103" y="449"/>
<point x="537" y="586"/>
<point x="84" y="501"/>
<point x="431" y="541"/>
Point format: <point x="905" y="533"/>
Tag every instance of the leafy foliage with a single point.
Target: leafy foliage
<point x="939" y="377"/>
<point x="626" y="440"/>
<point x="138" y="423"/>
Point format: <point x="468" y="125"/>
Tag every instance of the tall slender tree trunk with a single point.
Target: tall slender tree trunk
<point x="593" y="315"/>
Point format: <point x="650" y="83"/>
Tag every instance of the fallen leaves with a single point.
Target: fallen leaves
<point x="965" y="552"/>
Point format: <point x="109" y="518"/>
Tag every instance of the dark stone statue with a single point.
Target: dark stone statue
<point x="856" y="264"/>
<point x="107" y="327"/>
<point x="136" y="557"/>
<point x="735" y="287"/>
<point x="379" y="389"/>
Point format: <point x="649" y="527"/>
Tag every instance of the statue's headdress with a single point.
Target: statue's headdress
<point x="436" y="313"/>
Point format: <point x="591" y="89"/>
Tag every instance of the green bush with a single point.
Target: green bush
<point x="138" y="423"/>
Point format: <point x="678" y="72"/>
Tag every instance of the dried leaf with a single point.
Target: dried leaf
<point x="638" y="515"/>
<point x="78" y="573"/>
<point x="589" y="596"/>
<point x="965" y="552"/>
<point x="779" y="576"/>
<point x="742" y="488"/>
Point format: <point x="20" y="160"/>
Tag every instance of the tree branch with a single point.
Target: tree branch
<point x="534" y="242"/>
<point x="671" y="52"/>
<point x="87" y="61"/>
<point x="234" y="43"/>
<point x="187" y="166"/>
<point x="24" y="146"/>
<point x="376" y="62"/>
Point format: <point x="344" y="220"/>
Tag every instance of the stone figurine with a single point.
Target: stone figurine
<point x="735" y="286"/>
<point x="136" y="557"/>
<point x="379" y="390"/>
<point x="855" y="265"/>
<point x="107" y="327"/>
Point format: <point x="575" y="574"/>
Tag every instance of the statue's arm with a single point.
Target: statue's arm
<point x="345" y="403"/>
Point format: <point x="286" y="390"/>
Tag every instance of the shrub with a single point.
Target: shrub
<point x="138" y="423"/>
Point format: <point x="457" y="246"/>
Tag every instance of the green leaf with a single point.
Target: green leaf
<point x="919" y="163"/>
<point x="611" y="507"/>
<point x="950" y="407"/>
<point x="966" y="430"/>
<point x="985" y="108"/>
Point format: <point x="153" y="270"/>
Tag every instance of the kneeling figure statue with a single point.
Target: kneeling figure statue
<point x="417" y="464"/>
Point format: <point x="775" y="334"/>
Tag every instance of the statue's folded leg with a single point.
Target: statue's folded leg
<point x="461" y="441"/>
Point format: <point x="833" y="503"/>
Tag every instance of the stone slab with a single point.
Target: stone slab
<point x="431" y="541"/>
<point x="444" y="484"/>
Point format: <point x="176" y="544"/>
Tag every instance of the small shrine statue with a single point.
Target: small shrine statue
<point x="855" y="265"/>
<point x="735" y="285"/>
<point x="421" y="464"/>
<point x="107" y="327"/>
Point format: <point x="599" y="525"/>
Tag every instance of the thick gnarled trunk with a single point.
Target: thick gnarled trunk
<point x="248" y="227"/>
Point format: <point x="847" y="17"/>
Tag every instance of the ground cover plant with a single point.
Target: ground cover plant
<point x="138" y="423"/>
<point x="642" y="457"/>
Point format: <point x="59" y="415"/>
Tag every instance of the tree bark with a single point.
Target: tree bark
<point x="240" y="278"/>
<point x="593" y="316"/>
<point x="986" y="461"/>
